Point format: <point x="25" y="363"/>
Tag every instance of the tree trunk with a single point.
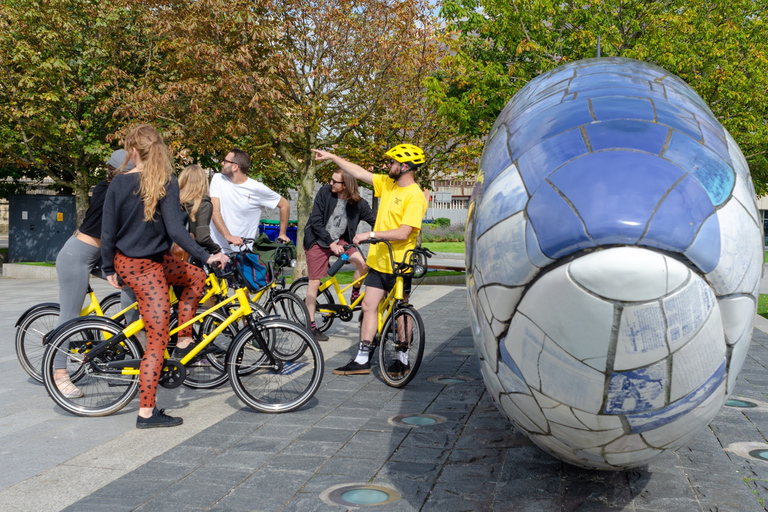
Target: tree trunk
<point x="304" y="207"/>
<point x="82" y="199"/>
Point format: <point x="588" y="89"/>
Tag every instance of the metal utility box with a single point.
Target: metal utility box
<point x="39" y="225"/>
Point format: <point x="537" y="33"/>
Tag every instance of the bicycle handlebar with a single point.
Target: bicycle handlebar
<point x="412" y="264"/>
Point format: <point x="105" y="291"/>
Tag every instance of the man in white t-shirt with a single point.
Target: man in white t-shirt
<point x="238" y="202"/>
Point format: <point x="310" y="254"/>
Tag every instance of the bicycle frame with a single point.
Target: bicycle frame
<point x="340" y="291"/>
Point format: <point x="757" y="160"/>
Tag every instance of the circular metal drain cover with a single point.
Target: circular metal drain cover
<point x="416" y="420"/>
<point x="449" y="379"/>
<point x="733" y="402"/>
<point x="759" y="454"/>
<point x="359" y="495"/>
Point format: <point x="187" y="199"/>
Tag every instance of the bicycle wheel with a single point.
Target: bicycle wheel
<point x="207" y="370"/>
<point x="110" y="305"/>
<point x="323" y="321"/>
<point x="105" y="390"/>
<point x="29" y="339"/>
<point x="264" y="387"/>
<point x="290" y="307"/>
<point x="401" y="347"/>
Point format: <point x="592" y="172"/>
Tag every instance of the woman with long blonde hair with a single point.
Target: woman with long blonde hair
<point x="193" y="194"/>
<point x="141" y="217"/>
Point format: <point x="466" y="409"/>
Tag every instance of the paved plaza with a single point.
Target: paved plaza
<point x="227" y="457"/>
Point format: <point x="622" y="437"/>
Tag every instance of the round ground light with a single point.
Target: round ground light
<point x="449" y="379"/>
<point x="743" y="404"/>
<point x="759" y="454"/>
<point x="415" y="420"/>
<point x="359" y="495"/>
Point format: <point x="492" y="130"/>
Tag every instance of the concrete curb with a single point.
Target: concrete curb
<point x="18" y="271"/>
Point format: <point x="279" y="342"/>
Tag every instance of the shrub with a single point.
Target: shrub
<point x="442" y="221"/>
<point x="434" y="233"/>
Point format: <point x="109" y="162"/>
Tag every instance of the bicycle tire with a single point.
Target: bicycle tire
<point x="290" y="307"/>
<point x="209" y="370"/>
<point x="29" y="339"/>
<point x="323" y="321"/>
<point x="392" y="370"/>
<point x="261" y="387"/>
<point x="110" y="305"/>
<point x="103" y="393"/>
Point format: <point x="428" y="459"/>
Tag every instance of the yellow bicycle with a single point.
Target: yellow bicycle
<point x="274" y="365"/>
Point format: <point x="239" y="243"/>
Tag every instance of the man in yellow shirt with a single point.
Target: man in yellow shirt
<point x="402" y="206"/>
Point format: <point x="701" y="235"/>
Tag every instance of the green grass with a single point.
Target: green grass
<point x="38" y="263"/>
<point x="765" y="257"/>
<point x="456" y="247"/>
<point x="762" y="306"/>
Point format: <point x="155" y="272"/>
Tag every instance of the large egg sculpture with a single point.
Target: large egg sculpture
<point x="614" y="253"/>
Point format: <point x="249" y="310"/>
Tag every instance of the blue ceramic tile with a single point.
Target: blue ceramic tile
<point x="557" y="119"/>
<point x="615" y="192"/>
<point x="495" y="156"/>
<point x="620" y="91"/>
<point x="627" y="134"/>
<point x="714" y="139"/>
<point x="678" y="93"/>
<point x="581" y="83"/>
<point x="678" y="119"/>
<point x="543" y="159"/>
<point x="704" y="252"/>
<point x="503" y="198"/>
<point x="679" y="217"/>
<point x="649" y="420"/>
<point x="608" y="108"/>
<point x="559" y="230"/>
<point x="506" y="357"/>
<point x="637" y="391"/>
<point x="714" y="174"/>
<point x="533" y="249"/>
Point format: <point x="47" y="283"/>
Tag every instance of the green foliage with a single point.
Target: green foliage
<point x="442" y="221"/>
<point x="432" y="233"/>
<point x="762" y="306"/>
<point x="719" y="48"/>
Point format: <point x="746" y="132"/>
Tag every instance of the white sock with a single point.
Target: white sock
<point x="363" y="353"/>
<point x="403" y="356"/>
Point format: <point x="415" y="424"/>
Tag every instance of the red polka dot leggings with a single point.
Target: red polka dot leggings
<point x="149" y="280"/>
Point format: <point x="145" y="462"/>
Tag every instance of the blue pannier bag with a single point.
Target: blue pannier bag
<point x="254" y="271"/>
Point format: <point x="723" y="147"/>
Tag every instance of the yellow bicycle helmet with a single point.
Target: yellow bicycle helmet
<point x="406" y="154"/>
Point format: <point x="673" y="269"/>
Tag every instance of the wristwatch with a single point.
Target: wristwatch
<point x="371" y="235"/>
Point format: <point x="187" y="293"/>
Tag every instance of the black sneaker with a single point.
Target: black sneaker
<point x="318" y="335"/>
<point x="158" y="420"/>
<point x="398" y="369"/>
<point x="180" y="353"/>
<point x="353" y="368"/>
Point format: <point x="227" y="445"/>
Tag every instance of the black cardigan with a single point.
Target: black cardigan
<point x="325" y="203"/>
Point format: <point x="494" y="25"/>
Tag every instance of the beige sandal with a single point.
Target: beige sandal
<point x="68" y="389"/>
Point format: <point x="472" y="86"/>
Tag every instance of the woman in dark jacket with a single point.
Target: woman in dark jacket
<point x="336" y="212"/>
<point x="193" y="194"/>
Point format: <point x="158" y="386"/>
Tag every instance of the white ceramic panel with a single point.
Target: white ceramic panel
<point x="632" y="459"/>
<point x="485" y="308"/>
<point x="527" y="411"/>
<point x="738" y="356"/>
<point x="568" y="380"/>
<point x="697" y="361"/>
<point x="477" y="332"/>
<point x="544" y="401"/>
<point x="563" y="415"/>
<point x="739" y="250"/>
<point x="598" y="421"/>
<point x="678" y="431"/>
<point x="576" y="320"/>
<point x="498" y="253"/>
<point x="642" y="337"/>
<point x="490" y="344"/>
<point x="510" y="381"/>
<point x="622" y="273"/>
<point x="744" y="195"/>
<point x="677" y="274"/>
<point x="492" y="382"/>
<point x="737" y="158"/>
<point x="555" y="447"/>
<point x="503" y="300"/>
<point x="499" y="328"/>
<point x="755" y="270"/>
<point x="639" y="390"/>
<point x="592" y="458"/>
<point x="738" y="315"/>
<point x="627" y="443"/>
<point x="686" y="311"/>
<point x="585" y="438"/>
<point x="524" y="342"/>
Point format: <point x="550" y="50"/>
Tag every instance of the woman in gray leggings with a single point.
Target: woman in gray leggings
<point x="74" y="264"/>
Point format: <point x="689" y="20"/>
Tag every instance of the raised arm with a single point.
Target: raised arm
<point x="355" y="170"/>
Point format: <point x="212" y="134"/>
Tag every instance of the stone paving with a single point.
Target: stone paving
<point x="227" y="457"/>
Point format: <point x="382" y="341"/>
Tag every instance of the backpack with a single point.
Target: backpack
<point x="253" y="269"/>
<point x="278" y="252"/>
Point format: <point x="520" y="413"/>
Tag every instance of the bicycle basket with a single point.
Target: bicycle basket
<point x="253" y="270"/>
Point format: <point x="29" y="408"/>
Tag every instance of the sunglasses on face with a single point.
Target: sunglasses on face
<point x="225" y="161"/>
<point x="334" y="182"/>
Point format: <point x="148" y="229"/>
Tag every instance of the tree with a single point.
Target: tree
<point x="60" y="63"/>
<point x="719" y="49"/>
<point x="280" y="77"/>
